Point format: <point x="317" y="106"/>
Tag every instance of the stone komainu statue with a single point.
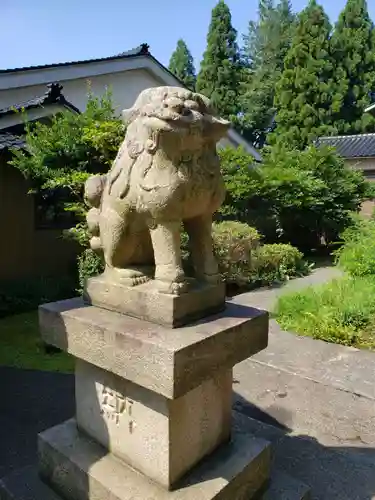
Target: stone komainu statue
<point x="166" y="173"/>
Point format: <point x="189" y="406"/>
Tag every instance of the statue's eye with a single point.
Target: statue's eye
<point x="185" y="111"/>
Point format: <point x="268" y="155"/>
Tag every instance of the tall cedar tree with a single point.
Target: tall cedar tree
<point x="353" y="51"/>
<point x="181" y="64"/>
<point x="219" y="75"/>
<point x="306" y="91"/>
<point x="265" y="47"/>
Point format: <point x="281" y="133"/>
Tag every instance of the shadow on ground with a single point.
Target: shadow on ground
<point x="333" y="473"/>
<point x="33" y="401"/>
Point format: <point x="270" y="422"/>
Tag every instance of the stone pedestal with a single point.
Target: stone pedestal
<point x="161" y="437"/>
<point x="153" y="407"/>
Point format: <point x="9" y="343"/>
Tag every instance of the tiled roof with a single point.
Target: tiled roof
<point x="351" y="146"/>
<point x="52" y="96"/>
<point x="138" y="51"/>
<point x="11" y="141"/>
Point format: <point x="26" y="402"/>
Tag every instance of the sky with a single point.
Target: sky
<point x="36" y="32"/>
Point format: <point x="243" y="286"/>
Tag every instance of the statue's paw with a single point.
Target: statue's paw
<point x="173" y="287"/>
<point x="139" y="280"/>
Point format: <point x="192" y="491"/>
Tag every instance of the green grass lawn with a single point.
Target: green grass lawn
<point x="341" y="311"/>
<point x="21" y="346"/>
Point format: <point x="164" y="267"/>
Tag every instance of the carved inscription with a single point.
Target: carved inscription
<point x="115" y="405"/>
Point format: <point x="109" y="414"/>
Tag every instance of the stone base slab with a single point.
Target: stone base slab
<point x="79" y="469"/>
<point x="146" y="302"/>
<point x="168" y="362"/>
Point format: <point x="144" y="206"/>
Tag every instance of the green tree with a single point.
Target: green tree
<point x="296" y="197"/>
<point x="220" y="71"/>
<point x="353" y="51"/>
<point x="265" y="47"/>
<point x="181" y="64"/>
<point x="305" y="94"/>
<point x="61" y="155"/>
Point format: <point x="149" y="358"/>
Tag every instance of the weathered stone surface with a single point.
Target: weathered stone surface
<point x="79" y="469"/>
<point x="169" y="362"/>
<point x="163" y="438"/>
<point x="25" y="484"/>
<point x="146" y="302"/>
<point x="166" y="173"/>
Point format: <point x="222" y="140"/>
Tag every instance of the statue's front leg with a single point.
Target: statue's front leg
<point x="199" y="230"/>
<point x="166" y="241"/>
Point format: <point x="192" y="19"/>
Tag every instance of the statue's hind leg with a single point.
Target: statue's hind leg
<point x="199" y="230"/>
<point x="127" y="254"/>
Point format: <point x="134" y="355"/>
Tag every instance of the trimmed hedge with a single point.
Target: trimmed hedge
<point x="242" y="260"/>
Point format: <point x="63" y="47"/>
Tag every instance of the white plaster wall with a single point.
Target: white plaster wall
<point x="125" y="84"/>
<point x="361" y="163"/>
<point x="125" y="88"/>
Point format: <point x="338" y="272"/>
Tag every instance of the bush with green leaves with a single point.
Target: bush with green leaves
<point x="276" y="263"/>
<point x="243" y="261"/>
<point x="61" y="155"/>
<point x="297" y="197"/>
<point x="233" y="243"/>
<point x="356" y="256"/>
<point x="89" y="264"/>
<point x="342" y="311"/>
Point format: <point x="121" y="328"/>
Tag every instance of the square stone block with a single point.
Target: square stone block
<point x="79" y="469"/>
<point x="145" y="302"/>
<point x="168" y="361"/>
<point x="163" y="438"/>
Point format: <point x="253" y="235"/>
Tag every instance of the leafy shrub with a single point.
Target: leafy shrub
<point x="276" y="263"/>
<point x="357" y="254"/>
<point x="342" y="311"/>
<point x="61" y="155"/>
<point x="233" y="243"/>
<point x="18" y="296"/>
<point x="244" y="262"/>
<point x="297" y="197"/>
<point x="89" y="264"/>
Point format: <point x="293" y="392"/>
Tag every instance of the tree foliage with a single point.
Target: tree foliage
<point x="295" y="197"/>
<point x="265" y="47"/>
<point x="61" y="155"/>
<point x="220" y="71"/>
<point x="181" y="64"/>
<point x="306" y="93"/>
<point x="354" y="58"/>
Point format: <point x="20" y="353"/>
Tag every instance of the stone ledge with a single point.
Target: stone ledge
<point x="167" y="361"/>
<point x="80" y="469"/>
<point x="145" y="302"/>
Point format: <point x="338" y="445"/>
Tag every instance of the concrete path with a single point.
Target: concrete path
<point x="265" y="298"/>
<point x="315" y="401"/>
